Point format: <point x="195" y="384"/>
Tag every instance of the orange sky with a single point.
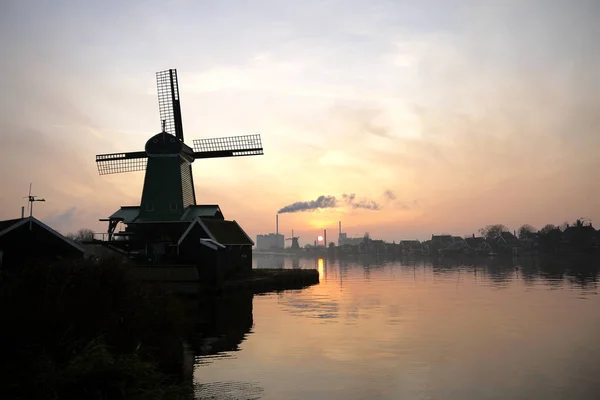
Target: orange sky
<point x="469" y="115"/>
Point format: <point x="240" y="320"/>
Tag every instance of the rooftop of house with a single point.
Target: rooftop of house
<point x="13" y="225"/>
<point x="475" y="241"/>
<point x="441" y="237"/>
<point x="227" y="232"/>
<point x="8" y="223"/>
<point x="130" y="214"/>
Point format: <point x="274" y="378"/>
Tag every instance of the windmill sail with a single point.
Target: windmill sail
<point x="168" y="102"/>
<point x="232" y="146"/>
<point x="116" y="163"/>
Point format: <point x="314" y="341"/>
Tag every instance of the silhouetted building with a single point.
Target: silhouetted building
<point x="410" y="247"/>
<point x="219" y="243"/>
<point x="439" y="242"/>
<point x="579" y="238"/>
<point x="478" y="245"/>
<point x="508" y="242"/>
<point x="29" y="239"/>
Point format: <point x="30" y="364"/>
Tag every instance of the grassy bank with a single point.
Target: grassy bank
<point x="79" y="330"/>
<point x="266" y="280"/>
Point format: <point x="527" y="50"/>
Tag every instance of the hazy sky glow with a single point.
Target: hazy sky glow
<point x="470" y="112"/>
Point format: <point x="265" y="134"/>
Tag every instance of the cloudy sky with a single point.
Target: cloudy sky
<point x="449" y="115"/>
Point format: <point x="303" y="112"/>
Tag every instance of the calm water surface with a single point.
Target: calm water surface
<point x="391" y="330"/>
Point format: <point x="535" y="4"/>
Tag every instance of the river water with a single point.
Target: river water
<point x="491" y="329"/>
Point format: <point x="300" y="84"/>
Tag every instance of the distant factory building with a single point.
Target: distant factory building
<point x="343" y="238"/>
<point x="271" y="241"/>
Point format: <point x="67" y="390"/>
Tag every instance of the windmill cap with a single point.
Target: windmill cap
<point x="163" y="143"/>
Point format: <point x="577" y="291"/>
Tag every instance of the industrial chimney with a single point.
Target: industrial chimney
<point x="325" y="238"/>
<point x="340" y="229"/>
<point x="277" y="224"/>
<point x="22" y="211"/>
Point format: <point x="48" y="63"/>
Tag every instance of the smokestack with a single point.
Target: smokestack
<point x="325" y="238"/>
<point x="22" y="211"/>
<point x="292" y="233"/>
<point x="340" y="233"/>
<point x="277" y="224"/>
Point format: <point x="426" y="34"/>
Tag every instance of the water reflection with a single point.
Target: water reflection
<point x="269" y="261"/>
<point x="222" y="325"/>
<point x="321" y="269"/>
<point x="448" y="329"/>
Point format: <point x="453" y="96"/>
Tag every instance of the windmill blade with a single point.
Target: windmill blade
<point x="121" y="162"/>
<point x="168" y="102"/>
<point x="232" y="146"/>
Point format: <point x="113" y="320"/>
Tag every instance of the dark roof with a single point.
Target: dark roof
<point x="441" y="237"/>
<point x="587" y="229"/>
<point x="126" y="214"/>
<point x="202" y="211"/>
<point x="227" y="232"/>
<point x="13" y="224"/>
<point x="130" y="214"/>
<point x="509" y="237"/>
<point x="8" y="223"/>
<point x="475" y="241"/>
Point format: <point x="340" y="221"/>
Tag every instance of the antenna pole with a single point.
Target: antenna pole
<point x="31" y="199"/>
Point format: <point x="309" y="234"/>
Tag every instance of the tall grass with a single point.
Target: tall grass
<point x="85" y="330"/>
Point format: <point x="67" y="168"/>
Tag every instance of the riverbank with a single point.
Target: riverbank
<point x="184" y="279"/>
<point x="265" y="280"/>
<point x="86" y="330"/>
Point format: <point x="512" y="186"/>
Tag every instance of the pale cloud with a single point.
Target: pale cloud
<point x="484" y="112"/>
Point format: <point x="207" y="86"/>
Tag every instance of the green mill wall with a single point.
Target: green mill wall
<point x="167" y="189"/>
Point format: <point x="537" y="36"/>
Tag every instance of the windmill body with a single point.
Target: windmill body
<point x="168" y="225"/>
<point x="168" y="186"/>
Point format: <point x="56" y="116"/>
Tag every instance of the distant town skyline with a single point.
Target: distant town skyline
<point x="467" y="113"/>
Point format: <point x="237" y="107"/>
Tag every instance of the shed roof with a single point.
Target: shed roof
<point x="8" y="223"/>
<point x="220" y="232"/>
<point x="11" y="225"/>
<point x="227" y="232"/>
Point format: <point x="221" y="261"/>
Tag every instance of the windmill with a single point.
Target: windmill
<point x="295" y="244"/>
<point x="168" y="194"/>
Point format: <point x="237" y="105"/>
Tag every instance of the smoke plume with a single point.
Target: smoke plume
<point x="330" y="202"/>
<point x="367" y="204"/>
<point x="389" y="195"/>
<point x="321" y="202"/>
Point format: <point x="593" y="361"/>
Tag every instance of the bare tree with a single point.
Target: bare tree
<point x="82" y="235"/>
<point x="547" y="229"/>
<point x="525" y="231"/>
<point x="493" y="231"/>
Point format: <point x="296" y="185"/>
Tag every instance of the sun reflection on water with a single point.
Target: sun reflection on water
<point x="321" y="268"/>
